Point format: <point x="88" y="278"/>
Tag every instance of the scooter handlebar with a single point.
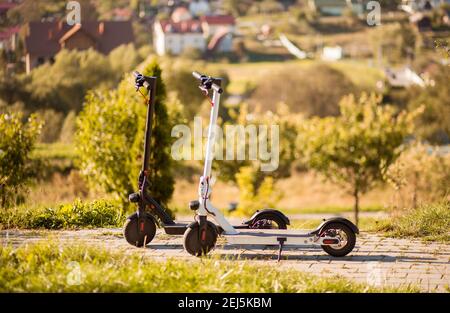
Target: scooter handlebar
<point x="140" y="80"/>
<point x="207" y="82"/>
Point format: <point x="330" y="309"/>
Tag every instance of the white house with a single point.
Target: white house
<point x="174" y="38"/>
<point x="211" y="33"/>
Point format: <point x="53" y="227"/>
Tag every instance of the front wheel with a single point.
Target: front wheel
<point x="346" y="236"/>
<point x="139" y="232"/>
<point x="200" y="243"/>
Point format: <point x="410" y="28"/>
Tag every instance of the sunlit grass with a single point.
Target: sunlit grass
<point x="429" y="222"/>
<point x="56" y="267"/>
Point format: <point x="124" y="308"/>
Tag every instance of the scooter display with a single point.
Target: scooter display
<point x="336" y="236"/>
<point x="140" y="227"/>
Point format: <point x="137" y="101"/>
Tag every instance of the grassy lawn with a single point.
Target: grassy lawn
<point x="55" y="150"/>
<point x="248" y="74"/>
<point x="53" y="267"/>
<point x="428" y="222"/>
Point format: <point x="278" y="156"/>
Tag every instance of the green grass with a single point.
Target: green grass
<point x="99" y="213"/>
<point x="52" y="267"/>
<point x="429" y="222"/>
<point x="55" y="151"/>
<point x="243" y="74"/>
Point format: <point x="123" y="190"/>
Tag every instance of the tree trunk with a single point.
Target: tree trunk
<point x="356" y="196"/>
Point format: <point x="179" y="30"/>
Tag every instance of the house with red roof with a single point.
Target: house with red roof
<point x="207" y="33"/>
<point x="43" y="40"/>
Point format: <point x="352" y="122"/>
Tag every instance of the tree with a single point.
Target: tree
<point x="356" y="148"/>
<point x="110" y="140"/>
<point x="16" y="143"/>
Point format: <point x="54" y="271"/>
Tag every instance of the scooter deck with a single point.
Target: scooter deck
<point x="271" y="237"/>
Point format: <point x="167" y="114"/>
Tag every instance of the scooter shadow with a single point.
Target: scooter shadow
<point x="244" y="252"/>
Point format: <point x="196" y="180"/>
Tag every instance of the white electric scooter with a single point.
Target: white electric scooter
<point x="336" y="236"/>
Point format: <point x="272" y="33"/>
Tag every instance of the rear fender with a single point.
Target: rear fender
<point x="267" y="212"/>
<point x="341" y="220"/>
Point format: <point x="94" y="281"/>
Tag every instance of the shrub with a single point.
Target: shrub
<point x="420" y="175"/>
<point x="99" y="213"/>
<point x="428" y="221"/>
<point x="255" y="195"/>
<point x="17" y="140"/>
<point x="110" y="140"/>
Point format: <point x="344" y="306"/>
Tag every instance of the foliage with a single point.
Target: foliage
<point x="46" y="267"/>
<point x="184" y="86"/>
<point x="255" y="195"/>
<point x="396" y="41"/>
<point x="110" y="140"/>
<point x="52" y="123"/>
<point x="237" y="7"/>
<point x="434" y="123"/>
<point x="99" y="213"/>
<point x="36" y="10"/>
<point x="16" y="143"/>
<point x="428" y="221"/>
<point x="286" y="123"/>
<point x="314" y="91"/>
<point x="68" y="128"/>
<point x="420" y="175"/>
<point x="356" y="148"/>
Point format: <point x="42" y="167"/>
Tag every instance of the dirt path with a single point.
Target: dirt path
<point x="376" y="260"/>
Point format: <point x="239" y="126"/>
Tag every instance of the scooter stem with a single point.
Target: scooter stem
<point x="211" y="133"/>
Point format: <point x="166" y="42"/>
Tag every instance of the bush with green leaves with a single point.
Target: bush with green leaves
<point x="110" y="140"/>
<point x="356" y="148"/>
<point x="255" y="195"/>
<point x="17" y="140"/>
<point x="420" y="175"/>
<point x="99" y="213"/>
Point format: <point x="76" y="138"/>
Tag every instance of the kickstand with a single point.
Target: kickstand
<point x="281" y="242"/>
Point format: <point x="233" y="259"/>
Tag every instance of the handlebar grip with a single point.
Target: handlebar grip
<point x="197" y="75"/>
<point x="136" y="74"/>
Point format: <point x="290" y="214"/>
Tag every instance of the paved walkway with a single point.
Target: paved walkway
<point x="376" y="260"/>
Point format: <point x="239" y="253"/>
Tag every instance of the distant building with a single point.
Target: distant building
<point x="208" y="33"/>
<point x="337" y="7"/>
<point x="9" y="38"/>
<point x="44" y="40"/>
<point x="403" y="78"/>
<point x="421" y="21"/>
<point x="413" y="6"/>
<point x="4" y="8"/>
<point x="332" y="53"/>
<point x="199" y="7"/>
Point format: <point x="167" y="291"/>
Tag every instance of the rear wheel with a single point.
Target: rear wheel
<point x="199" y="244"/>
<point x="139" y="232"/>
<point x="346" y="236"/>
<point x="268" y="221"/>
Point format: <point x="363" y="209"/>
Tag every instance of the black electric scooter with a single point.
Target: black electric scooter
<point x="140" y="227"/>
